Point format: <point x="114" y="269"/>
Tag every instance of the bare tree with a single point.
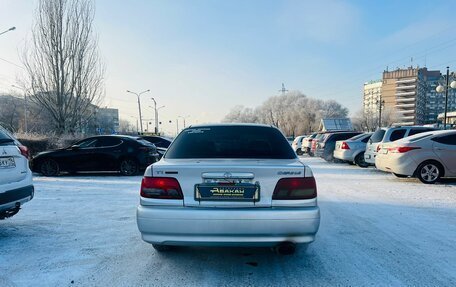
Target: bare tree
<point x="64" y="73"/>
<point x="294" y="113"/>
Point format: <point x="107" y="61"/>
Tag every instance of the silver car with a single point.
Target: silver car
<point x="428" y="156"/>
<point x="229" y="185"/>
<point x="352" y="150"/>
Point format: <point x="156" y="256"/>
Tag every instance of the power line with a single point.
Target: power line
<point x="9" y="62"/>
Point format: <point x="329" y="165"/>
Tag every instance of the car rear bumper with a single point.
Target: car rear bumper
<point x="344" y="154"/>
<point x="12" y="198"/>
<point x="403" y="165"/>
<point x="227" y="227"/>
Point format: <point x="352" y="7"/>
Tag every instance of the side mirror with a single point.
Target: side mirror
<point x="74" y="147"/>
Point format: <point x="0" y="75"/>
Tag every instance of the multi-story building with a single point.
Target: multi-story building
<point x="372" y="96"/>
<point x="411" y="94"/>
<point x="435" y="102"/>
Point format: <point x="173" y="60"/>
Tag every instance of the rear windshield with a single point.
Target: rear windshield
<point x="231" y="142"/>
<point x="5" y="138"/>
<point x="377" y="136"/>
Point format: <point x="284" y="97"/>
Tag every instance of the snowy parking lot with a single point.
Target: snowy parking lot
<point x="375" y="230"/>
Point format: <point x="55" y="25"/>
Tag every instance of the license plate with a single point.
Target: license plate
<point x="7" y="162"/>
<point x="221" y="192"/>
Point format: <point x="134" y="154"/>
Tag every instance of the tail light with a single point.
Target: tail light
<point x="379" y="147"/>
<point x="24" y="151"/>
<point x="401" y="149"/>
<point x="344" y="146"/>
<point x="295" y="188"/>
<point x="161" y="188"/>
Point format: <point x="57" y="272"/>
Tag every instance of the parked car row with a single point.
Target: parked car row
<point x="417" y="151"/>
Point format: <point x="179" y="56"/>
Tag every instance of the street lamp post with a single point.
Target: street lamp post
<point x="156" y="114"/>
<point x="139" y="105"/>
<point x="10" y="29"/>
<point x="441" y="89"/>
<point x="380" y="103"/>
<point x="184" y="117"/>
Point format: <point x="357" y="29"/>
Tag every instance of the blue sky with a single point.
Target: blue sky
<point x="200" y="58"/>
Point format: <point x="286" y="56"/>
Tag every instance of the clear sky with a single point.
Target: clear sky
<point x="200" y="58"/>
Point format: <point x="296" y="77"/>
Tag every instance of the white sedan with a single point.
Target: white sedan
<point x="428" y="156"/>
<point x="229" y="185"/>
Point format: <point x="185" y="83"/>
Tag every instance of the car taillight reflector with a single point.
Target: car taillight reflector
<point x="24" y="151"/>
<point x="401" y="149"/>
<point x="295" y="188"/>
<point x="344" y="146"/>
<point x="161" y="188"/>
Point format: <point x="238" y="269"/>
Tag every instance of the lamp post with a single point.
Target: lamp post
<point x="25" y="106"/>
<point x="156" y="114"/>
<point x="380" y="104"/>
<point x="184" y="117"/>
<point x="10" y="29"/>
<point x="139" y="105"/>
<point x="441" y="89"/>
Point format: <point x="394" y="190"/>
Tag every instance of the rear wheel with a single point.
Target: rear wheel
<point x="359" y="160"/>
<point x="129" y="167"/>
<point x="299" y="151"/>
<point x="49" y="167"/>
<point x="429" y="172"/>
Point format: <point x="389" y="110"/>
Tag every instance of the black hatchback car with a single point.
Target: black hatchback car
<point x="125" y="154"/>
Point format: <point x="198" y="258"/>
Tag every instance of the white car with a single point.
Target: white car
<point x="16" y="184"/>
<point x="307" y="143"/>
<point x="352" y="150"/>
<point x="428" y="156"/>
<point x="386" y="135"/>
<point x="229" y="185"/>
<point x="296" y="145"/>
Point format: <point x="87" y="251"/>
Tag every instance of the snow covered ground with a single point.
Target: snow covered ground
<point x="375" y="230"/>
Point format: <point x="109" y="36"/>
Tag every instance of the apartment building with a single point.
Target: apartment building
<point x="372" y="96"/>
<point x="411" y="94"/>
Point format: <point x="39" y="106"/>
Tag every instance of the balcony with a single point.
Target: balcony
<point x="404" y="124"/>
<point x="404" y="81"/>
<point x="406" y="87"/>
<point x="412" y="93"/>
<point x="405" y="106"/>
<point x="405" y="100"/>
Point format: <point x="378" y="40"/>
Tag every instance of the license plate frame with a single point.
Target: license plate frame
<point x="239" y="192"/>
<point x="7" y="162"/>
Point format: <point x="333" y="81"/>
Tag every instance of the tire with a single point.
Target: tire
<point x="129" y="167"/>
<point x="429" y="172"/>
<point x="49" y="167"/>
<point x="400" y="175"/>
<point x="299" y="151"/>
<point x="359" y="160"/>
<point x="311" y="154"/>
<point x="161" y="248"/>
<point x="329" y="157"/>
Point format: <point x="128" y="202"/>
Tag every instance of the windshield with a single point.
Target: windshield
<point x="231" y="142"/>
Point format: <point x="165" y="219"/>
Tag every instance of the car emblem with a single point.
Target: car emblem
<point x="227" y="175"/>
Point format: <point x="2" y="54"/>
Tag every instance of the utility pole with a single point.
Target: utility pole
<point x="139" y="105"/>
<point x="446" y="98"/>
<point x="177" y="126"/>
<point x="156" y="117"/>
<point x="283" y="90"/>
<point x="184" y="117"/>
<point x="380" y="103"/>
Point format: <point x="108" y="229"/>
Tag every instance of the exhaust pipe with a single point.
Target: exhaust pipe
<point x="286" y="248"/>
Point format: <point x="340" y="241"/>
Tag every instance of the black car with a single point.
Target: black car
<point x="325" y="149"/>
<point x="158" y="141"/>
<point x="126" y="154"/>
